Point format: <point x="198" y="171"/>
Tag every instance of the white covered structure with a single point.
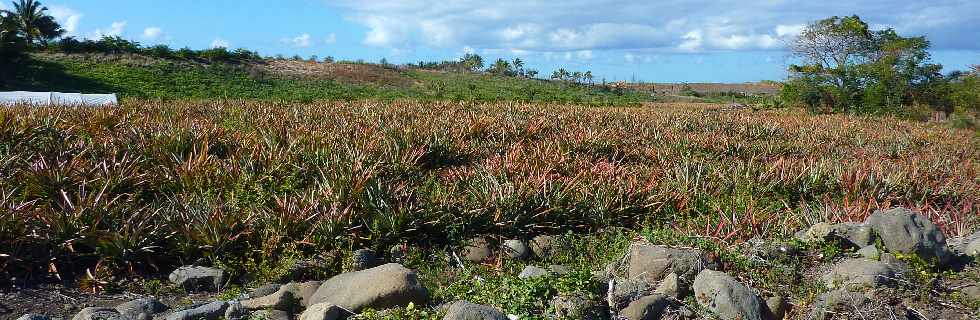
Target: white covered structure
<point x="57" y="98"/>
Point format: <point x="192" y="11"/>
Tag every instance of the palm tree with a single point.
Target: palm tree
<point x="588" y="76"/>
<point x="518" y="66"/>
<point x="34" y="23"/>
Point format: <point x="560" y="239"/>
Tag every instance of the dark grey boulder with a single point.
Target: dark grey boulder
<point x="672" y="286"/>
<point x="364" y="259"/>
<point x="34" y="316"/>
<point x="531" y="272"/>
<point x="235" y="311"/>
<point x="777" y="307"/>
<point x="96" y="313"/>
<point x="860" y="273"/>
<point x="625" y="291"/>
<point x="579" y="305"/>
<point x="323" y="311"/>
<point x="264" y="290"/>
<point x="477" y="249"/>
<point x="646" y="308"/>
<point x="725" y="296"/>
<point x="141" y="309"/>
<point x="211" y="311"/>
<point x="386" y="286"/>
<point x="903" y="231"/>
<point x="830" y="304"/>
<point x="654" y="262"/>
<point x="195" y="278"/>
<point x="516" y="249"/>
<point x="463" y="310"/>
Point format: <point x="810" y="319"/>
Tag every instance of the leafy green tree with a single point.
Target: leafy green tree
<point x="33" y="22"/>
<point x="848" y="67"/>
<point x="471" y="62"/>
<point x="10" y="39"/>
<point x="501" y="67"/>
<point x="588" y="77"/>
<point x="518" y="67"/>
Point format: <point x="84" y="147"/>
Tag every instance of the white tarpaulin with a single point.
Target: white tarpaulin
<point x="57" y="98"/>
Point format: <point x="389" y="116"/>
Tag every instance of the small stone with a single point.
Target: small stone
<point x="95" y="313"/>
<point x="516" y="249"/>
<point x="386" y="286"/>
<point x="322" y="311"/>
<point x="545" y="246"/>
<point x="304" y="270"/>
<point x="34" y="316"/>
<point x="559" y="269"/>
<point x="477" y="250"/>
<point x="235" y="311"/>
<point x="625" y="291"/>
<point x="283" y="299"/>
<point x="646" y="308"/>
<point x="870" y="252"/>
<point x="578" y="305"/>
<point x="726" y="297"/>
<point x="829" y="304"/>
<point x="972" y="248"/>
<point x="141" y="309"/>
<point x="653" y="262"/>
<point x="264" y="290"/>
<point x="907" y="232"/>
<point x="211" y="311"/>
<point x="530" y="272"/>
<point x="859" y="234"/>
<point x="777" y="307"/>
<point x="464" y="310"/>
<point x="671" y="287"/>
<point x="860" y="273"/>
<point x="269" y="314"/>
<point x="193" y="278"/>
<point x="971" y="293"/>
<point x="363" y="259"/>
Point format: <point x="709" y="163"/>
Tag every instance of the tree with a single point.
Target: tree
<point x="518" y="66"/>
<point x="846" y="66"/>
<point x="471" y="62"/>
<point x="33" y="22"/>
<point x="501" y="67"/>
<point x="588" y="77"/>
<point x="10" y="39"/>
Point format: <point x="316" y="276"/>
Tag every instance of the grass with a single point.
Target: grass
<point x="157" y="183"/>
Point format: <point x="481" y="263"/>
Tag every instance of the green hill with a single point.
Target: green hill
<point x="137" y="76"/>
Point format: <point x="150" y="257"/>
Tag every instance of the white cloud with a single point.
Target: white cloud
<point x="301" y="41"/>
<point x="690" y="26"/>
<point x="67" y="18"/>
<point x="330" y="39"/>
<point x="152" y="33"/>
<point x="584" y="55"/>
<point x="220" y="43"/>
<point x="114" y="30"/>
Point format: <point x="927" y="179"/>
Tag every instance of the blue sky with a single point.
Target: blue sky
<point x="663" y="41"/>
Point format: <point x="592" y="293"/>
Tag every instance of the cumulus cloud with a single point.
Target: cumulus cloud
<point x="114" y="30"/>
<point x="300" y="41"/>
<point x="220" y="43"/>
<point x="67" y="18"/>
<point x="667" y="26"/>
<point x="152" y="33"/>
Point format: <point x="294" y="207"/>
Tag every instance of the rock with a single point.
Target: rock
<point x="235" y="311"/>
<point x="671" y="287"/>
<point x="777" y="307"/>
<point x="264" y="290"/>
<point x="907" y="232"/>
<point x="860" y="273"/>
<point x="646" y="308"/>
<point x="34" y="316"/>
<point x="726" y="297"/>
<point x="781" y="249"/>
<point x="516" y="249"/>
<point x="870" y="252"/>
<point x="304" y="270"/>
<point x="322" y="311"/>
<point x="304" y="291"/>
<point x="545" y="246"/>
<point x="363" y="259"/>
<point x="653" y="262"/>
<point x="477" y="250"/>
<point x="578" y="305"/>
<point x="558" y="269"/>
<point x="971" y="293"/>
<point x="270" y="315"/>
<point x="386" y="286"/>
<point x="193" y="278"/>
<point x="141" y="309"/>
<point x="530" y="272"/>
<point x="96" y="313"/>
<point x="463" y="310"/>
<point x="971" y="245"/>
<point x="211" y="311"/>
<point x="625" y="291"/>
<point x="849" y="234"/>
<point x="286" y="299"/>
<point x="830" y="303"/>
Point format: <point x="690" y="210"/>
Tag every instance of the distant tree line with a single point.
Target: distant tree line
<point x="847" y="67"/>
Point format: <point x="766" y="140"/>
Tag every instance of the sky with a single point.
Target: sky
<point x="652" y="41"/>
